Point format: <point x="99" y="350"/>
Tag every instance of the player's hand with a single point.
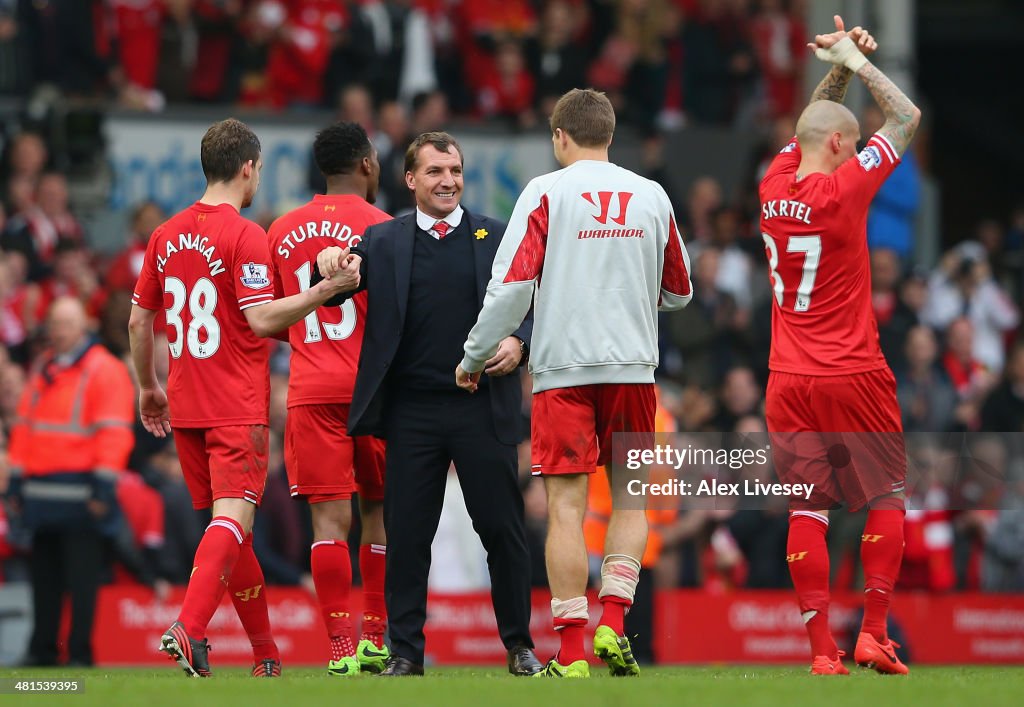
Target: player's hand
<point x="864" y="41"/>
<point x="825" y="41"/>
<point x="465" y="380"/>
<point x="154" y="411"/>
<point x="345" y="278"/>
<point x="331" y="260"/>
<point x="510" y="352"/>
<point x="861" y="38"/>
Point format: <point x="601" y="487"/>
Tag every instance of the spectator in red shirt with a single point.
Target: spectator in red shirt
<point x="137" y="25"/>
<point x="19" y="300"/>
<point x="124" y="270"/>
<point x="484" y="23"/>
<point x="216" y="23"/>
<point x="779" y="37"/>
<point x="73" y="276"/>
<point x="300" y="50"/>
<point x="507" y="92"/>
<point x="36" y="231"/>
<point x="971" y="380"/>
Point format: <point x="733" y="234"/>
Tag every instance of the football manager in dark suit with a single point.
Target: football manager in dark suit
<point x="426" y="274"/>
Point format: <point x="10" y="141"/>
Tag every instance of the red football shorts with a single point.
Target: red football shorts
<point x="841" y="433"/>
<point x="324" y="463"/>
<point x="571" y="428"/>
<point x="223" y="462"/>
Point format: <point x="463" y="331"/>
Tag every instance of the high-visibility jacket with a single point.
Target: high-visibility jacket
<point x="74" y="419"/>
<point x="599" y="503"/>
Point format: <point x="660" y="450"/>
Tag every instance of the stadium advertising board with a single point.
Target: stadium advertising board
<point x="159" y="159"/>
<point x="692" y="627"/>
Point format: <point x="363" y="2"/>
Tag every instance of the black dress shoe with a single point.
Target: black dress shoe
<point x="398" y="666"/>
<point x="522" y="662"/>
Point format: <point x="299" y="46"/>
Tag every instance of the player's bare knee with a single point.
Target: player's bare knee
<point x="237" y="509"/>
<point x="371" y="516"/>
<point x="566" y="513"/>
<point x="567" y="497"/>
<point x="331" y="519"/>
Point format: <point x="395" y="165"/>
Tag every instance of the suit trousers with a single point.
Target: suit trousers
<point x="64" y="560"/>
<point x="426" y="433"/>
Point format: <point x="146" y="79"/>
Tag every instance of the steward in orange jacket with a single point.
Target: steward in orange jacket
<point x="72" y="434"/>
<point x="71" y="438"/>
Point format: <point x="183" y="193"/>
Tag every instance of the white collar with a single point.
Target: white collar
<point x="426" y="223"/>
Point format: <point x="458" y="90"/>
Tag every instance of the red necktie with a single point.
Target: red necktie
<point x="441" y="228"/>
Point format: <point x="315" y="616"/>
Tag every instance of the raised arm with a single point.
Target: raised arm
<point x="833" y="87"/>
<point x="901" y="115"/>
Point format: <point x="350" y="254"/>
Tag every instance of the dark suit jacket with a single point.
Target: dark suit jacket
<point x="387" y="268"/>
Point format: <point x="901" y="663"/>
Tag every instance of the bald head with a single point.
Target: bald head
<point x="820" y="121"/>
<point x="67" y="324"/>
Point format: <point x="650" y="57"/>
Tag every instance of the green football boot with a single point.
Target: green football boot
<point x="371" y="658"/>
<point x="554" y="669"/>
<point x="614" y="650"/>
<point x="346" y="667"/>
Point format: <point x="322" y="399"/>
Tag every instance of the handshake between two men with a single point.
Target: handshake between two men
<point x="341" y="263"/>
<point x="342" y="267"/>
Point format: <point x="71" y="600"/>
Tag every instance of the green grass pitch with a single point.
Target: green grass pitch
<point x="491" y="687"/>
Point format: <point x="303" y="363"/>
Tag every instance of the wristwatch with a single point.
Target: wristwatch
<point x="524" y="350"/>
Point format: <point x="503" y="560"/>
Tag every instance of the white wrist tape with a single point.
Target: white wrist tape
<point x="843" y="53"/>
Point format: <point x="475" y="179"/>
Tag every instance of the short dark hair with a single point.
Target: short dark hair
<point x="586" y="116"/>
<point x="442" y="142"/>
<point x="227" y="146"/>
<point x="340" y="148"/>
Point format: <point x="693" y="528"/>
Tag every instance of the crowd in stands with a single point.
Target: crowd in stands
<point x="401" y="67"/>
<point x="663" y="62"/>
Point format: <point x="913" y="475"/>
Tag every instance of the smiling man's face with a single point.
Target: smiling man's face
<point x="436" y="180"/>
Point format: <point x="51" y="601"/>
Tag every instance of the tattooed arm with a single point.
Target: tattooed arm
<point x="833" y="86"/>
<point x="848" y="51"/>
<point x="901" y="115"/>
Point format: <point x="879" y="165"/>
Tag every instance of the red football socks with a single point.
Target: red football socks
<point x="570" y="631"/>
<point x="881" y="552"/>
<point x="375" y="614"/>
<point x="211" y="571"/>
<point x="807" y="555"/>
<point x="613" y="613"/>
<point x="248" y="594"/>
<point x="332" y="575"/>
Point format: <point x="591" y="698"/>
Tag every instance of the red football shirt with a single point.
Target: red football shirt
<point x="326" y="344"/>
<point x="815" y="235"/>
<point x="203" y="267"/>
